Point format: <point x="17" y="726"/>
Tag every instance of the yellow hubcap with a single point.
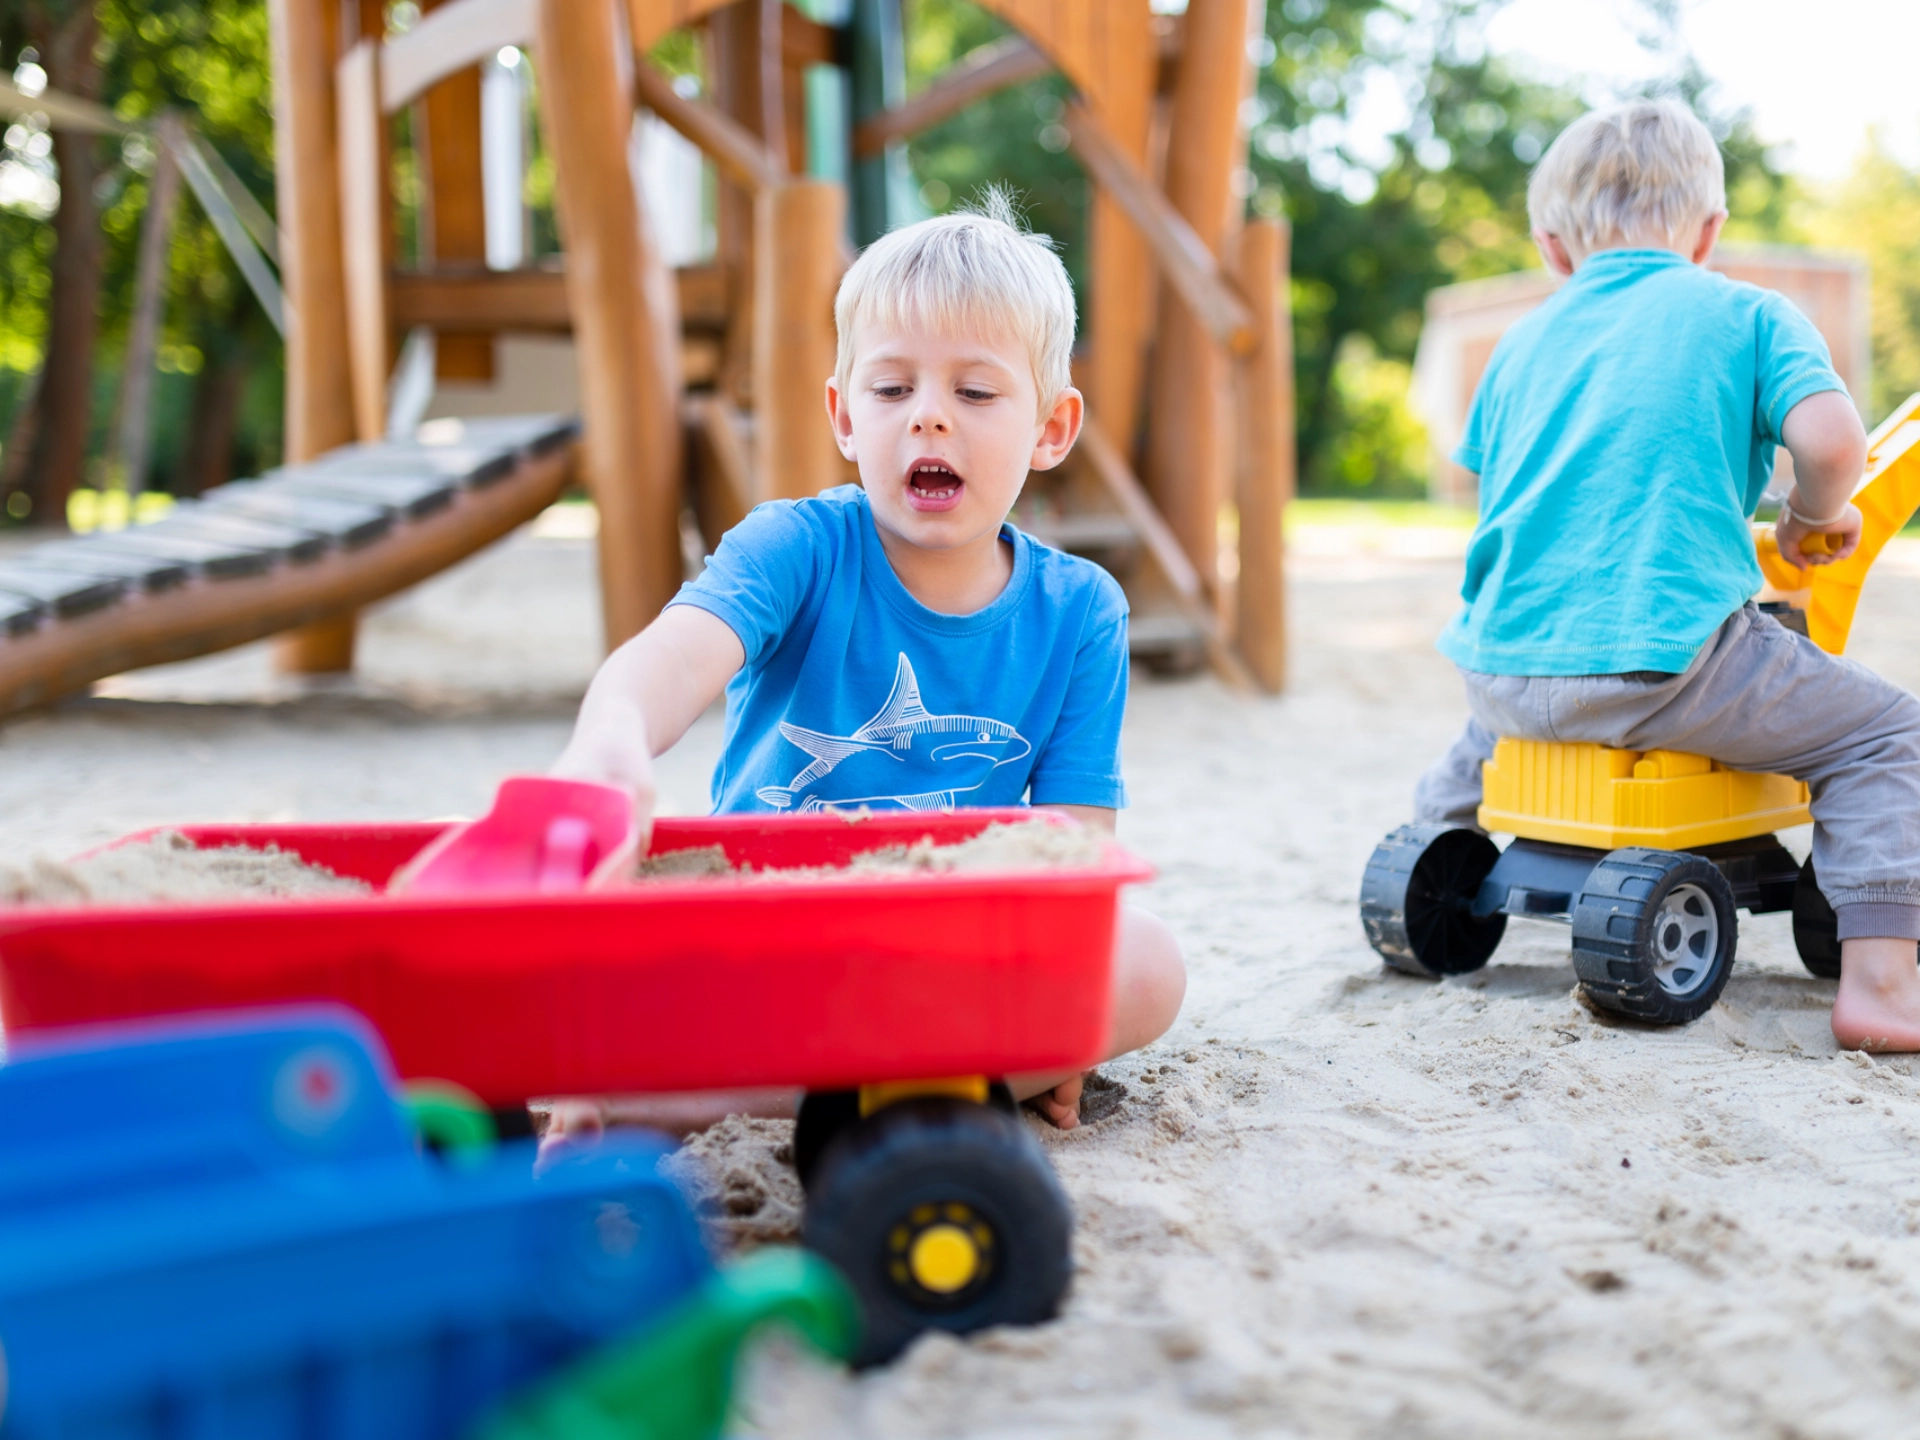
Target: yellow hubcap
<point x="944" y="1259"/>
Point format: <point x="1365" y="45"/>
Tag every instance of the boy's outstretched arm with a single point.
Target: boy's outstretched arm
<point x="644" y="697"/>
<point x="1824" y="435"/>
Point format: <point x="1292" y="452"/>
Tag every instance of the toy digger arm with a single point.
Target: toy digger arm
<point x="1888" y="495"/>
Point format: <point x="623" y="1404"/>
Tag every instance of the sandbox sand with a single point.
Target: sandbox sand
<point x="1334" y="1201"/>
<point x="1023" y="845"/>
<point x="170" y="869"/>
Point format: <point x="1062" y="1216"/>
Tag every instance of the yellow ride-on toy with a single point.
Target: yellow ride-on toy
<point x="1648" y="855"/>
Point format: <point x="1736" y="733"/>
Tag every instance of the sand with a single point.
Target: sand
<point x="169" y="869"/>
<point x="1026" y="845"/>
<point x="1334" y="1201"/>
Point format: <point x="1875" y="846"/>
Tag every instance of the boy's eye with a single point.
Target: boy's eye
<point x="889" y="392"/>
<point x="975" y="393"/>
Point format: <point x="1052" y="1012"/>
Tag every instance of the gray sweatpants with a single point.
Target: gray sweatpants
<point x="1756" y="697"/>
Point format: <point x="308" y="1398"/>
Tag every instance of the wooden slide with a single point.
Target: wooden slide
<point x="257" y="557"/>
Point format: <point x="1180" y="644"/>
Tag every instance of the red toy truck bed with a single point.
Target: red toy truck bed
<point x="673" y="985"/>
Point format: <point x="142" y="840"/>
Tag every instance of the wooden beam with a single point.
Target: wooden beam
<point x="319" y="396"/>
<point x="448" y="38"/>
<point x="363" y="224"/>
<point x="1189" y="465"/>
<point x="773" y="71"/>
<point x="1185" y="260"/>
<point x="1133" y="502"/>
<point x="455" y="231"/>
<point x="532" y="299"/>
<point x="798" y="232"/>
<point x="1265" y="473"/>
<point x="976" y="75"/>
<point x="739" y="154"/>
<point x="623" y="319"/>
<point x="724" y="489"/>
<point x="733" y="53"/>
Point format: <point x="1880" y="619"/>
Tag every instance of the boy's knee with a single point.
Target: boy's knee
<point x="1150" y="980"/>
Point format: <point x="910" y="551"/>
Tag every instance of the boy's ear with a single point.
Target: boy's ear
<point x="840" y="418"/>
<point x="1709" y="236"/>
<point x="1059" y="430"/>
<point x="1553" y="250"/>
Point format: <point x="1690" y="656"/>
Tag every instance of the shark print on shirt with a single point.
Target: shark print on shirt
<point x="956" y="752"/>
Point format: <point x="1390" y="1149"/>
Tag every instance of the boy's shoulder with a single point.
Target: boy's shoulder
<point x="1064" y="577"/>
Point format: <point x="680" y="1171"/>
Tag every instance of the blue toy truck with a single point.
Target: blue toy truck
<point x="226" y="1227"/>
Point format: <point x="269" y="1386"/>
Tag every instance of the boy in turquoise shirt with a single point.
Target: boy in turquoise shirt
<point x="1623" y="434"/>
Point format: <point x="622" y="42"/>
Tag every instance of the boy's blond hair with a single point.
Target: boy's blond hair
<point x="974" y="272"/>
<point x="1643" y="170"/>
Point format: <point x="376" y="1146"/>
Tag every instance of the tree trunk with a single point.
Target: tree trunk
<point x="66" y="385"/>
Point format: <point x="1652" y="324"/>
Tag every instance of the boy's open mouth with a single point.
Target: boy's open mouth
<point x="933" y="485"/>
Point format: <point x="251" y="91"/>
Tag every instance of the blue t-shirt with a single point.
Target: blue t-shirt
<point x="1623" y="433"/>
<point x="854" y="693"/>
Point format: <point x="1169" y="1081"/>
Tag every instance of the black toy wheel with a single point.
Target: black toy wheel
<point x="822" y="1115"/>
<point x="1816" y="932"/>
<point x="1416" y="900"/>
<point x="941" y="1214"/>
<point x="1654" y="935"/>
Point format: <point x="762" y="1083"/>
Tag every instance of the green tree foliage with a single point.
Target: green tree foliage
<point x="1876" y="213"/>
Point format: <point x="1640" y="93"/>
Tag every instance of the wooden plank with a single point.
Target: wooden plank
<point x="739" y="154"/>
<point x="1264" y="398"/>
<point x="976" y="75"/>
<point x="1169" y="557"/>
<point x="799" y="225"/>
<point x="1189" y="433"/>
<point x="455" y="228"/>
<point x="623" y="319"/>
<point x="734" y="63"/>
<point x="203" y="616"/>
<point x="1185" y="259"/>
<point x="363" y="223"/>
<point x="770" y="36"/>
<point x="448" y="38"/>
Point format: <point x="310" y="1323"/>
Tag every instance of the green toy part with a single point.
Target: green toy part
<point x="449" y="1117"/>
<point x="674" y="1380"/>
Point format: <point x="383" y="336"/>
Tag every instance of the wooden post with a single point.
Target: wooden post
<point x="1120" y="299"/>
<point x="363" y="231"/>
<point x="319" y="403"/>
<point x="799" y="227"/>
<point x="1264" y="396"/>
<point x="628" y="399"/>
<point x="1189" y="439"/>
<point x="457" y="235"/>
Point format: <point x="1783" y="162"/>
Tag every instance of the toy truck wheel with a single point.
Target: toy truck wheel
<point x="1654" y="935"/>
<point x="1816" y="931"/>
<point x="941" y="1214"/>
<point x="1416" y="900"/>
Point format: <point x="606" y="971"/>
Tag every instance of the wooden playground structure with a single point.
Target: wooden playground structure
<point x="700" y="386"/>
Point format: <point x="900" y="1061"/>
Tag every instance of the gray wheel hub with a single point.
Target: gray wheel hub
<point x="1686" y="937"/>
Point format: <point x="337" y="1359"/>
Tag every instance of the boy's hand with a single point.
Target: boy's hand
<point x="617" y="754"/>
<point x="1794" y="535"/>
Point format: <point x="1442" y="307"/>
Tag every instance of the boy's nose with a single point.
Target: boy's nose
<point x="930" y="420"/>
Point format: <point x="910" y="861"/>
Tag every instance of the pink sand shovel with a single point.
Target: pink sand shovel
<point x="549" y="836"/>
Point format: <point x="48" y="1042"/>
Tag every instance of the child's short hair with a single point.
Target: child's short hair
<point x="973" y="271"/>
<point x="1642" y="170"/>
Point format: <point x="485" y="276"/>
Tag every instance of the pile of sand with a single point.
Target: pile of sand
<point x="170" y="869"/>
<point x="1018" y="845"/>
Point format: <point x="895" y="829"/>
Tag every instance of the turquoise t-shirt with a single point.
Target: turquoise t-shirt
<point x="1623" y="434"/>
<point x="854" y="694"/>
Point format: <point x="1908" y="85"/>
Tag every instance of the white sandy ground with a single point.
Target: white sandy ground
<point x="1334" y="1201"/>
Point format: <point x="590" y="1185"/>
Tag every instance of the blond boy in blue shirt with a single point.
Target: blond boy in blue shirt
<point x="1623" y="434"/>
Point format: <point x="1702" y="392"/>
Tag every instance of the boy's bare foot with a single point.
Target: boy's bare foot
<point x="1060" y="1106"/>
<point x="1878" y="1004"/>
